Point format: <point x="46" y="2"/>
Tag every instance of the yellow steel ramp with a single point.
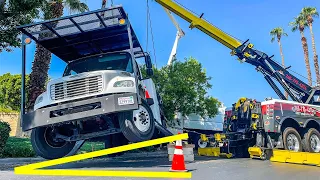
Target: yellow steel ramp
<point x="213" y="152"/>
<point x="285" y="156"/>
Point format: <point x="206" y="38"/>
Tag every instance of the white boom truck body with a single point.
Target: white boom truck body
<point x="102" y="92"/>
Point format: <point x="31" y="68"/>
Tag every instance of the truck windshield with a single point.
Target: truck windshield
<point x="112" y="61"/>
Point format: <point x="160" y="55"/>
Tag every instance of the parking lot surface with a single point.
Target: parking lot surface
<point x="203" y="168"/>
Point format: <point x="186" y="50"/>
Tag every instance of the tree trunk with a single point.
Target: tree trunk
<point x="39" y="75"/>
<point x="282" y="61"/>
<point x="306" y="57"/>
<point x="40" y="66"/>
<point x="315" y="56"/>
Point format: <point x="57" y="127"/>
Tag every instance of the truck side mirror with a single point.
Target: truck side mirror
<point x="148" y="65"/>
<point x="149" y="72"/>
<point x="148" y="62"/>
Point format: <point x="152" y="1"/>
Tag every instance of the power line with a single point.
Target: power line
<point x="152" y="38"/>
<point x="147" y="26"/>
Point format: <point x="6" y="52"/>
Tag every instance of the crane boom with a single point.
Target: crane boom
<point x="179" y="34"/>
<point x="175" y="23"/>
<point x="271" y="70"/>
<point x="197" y="22"/>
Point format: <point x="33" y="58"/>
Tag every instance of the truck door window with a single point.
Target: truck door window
<point x="138" y="71"/>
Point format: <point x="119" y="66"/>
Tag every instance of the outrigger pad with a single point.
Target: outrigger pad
<point x="77" y="36"/>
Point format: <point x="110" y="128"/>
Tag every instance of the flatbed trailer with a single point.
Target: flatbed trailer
<point x="292" y="125"/>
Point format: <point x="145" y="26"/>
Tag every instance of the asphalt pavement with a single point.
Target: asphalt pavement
<point x="203" y="168"/>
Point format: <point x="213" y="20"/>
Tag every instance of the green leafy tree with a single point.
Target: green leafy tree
<point x="278" y="33"/>
<point x="299" y="23"/>
<point x="309" y="13"/>
<point x="10" y="91"/>
<point x="12" y="14"/>
<point x="183" y="87"/>
<point x="39" y="74"/>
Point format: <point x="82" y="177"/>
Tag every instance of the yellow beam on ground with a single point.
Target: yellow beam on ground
<point x="32" y="169"/>
<point x="103" y="173"/>
<point x="285" y="156"/>
<point x="201" y="24"/>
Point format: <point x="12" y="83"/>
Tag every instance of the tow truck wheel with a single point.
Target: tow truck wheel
<point x="292" y="140"/>
<point x="48" y="147"/>
<point x="311" y="140"/>
<point x="137" y="125"/>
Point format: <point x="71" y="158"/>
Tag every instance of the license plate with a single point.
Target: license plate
<point x="125" y="100"/>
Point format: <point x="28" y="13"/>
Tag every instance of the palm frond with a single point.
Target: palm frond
<point x="76" y="5"/>
<point x="309" y="11"/>
<point x="277" y="32"/>
<point x="272" y="39"/>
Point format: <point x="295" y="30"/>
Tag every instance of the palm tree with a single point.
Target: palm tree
<point x="278" y="33"/>
<point x="299" y="23"/>
<point x="39" y="74"/>
<point x="308" y="13"/>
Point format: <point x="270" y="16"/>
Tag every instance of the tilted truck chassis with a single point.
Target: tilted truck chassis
<point x="102" y="92"/>
<point x="298" y="124"/>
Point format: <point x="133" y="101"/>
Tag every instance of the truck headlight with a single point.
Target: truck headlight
<point x="125" y="83"/>
<point x="39" y="100"/>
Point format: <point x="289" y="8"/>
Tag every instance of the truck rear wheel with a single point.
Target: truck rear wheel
<point x="311" y="140"/>
<point x="137" y="125"/>
<point x="292" y="140"/>
<point x="48" y="147"/>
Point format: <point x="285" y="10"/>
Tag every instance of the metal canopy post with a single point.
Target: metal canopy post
<point x="23" y="78"/>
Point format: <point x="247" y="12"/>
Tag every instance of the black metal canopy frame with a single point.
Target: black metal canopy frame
<point x="82" y="35"/>
<point x="86" y="34"/>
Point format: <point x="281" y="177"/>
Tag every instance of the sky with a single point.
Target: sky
<point x="246" y="19"/>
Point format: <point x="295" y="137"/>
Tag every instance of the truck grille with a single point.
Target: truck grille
<point x="74" y="88"/>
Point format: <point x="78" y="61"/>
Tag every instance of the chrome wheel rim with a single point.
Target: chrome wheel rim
<point x="293" y="142"/>
<point x="202" y="144"/>
<point x="141" y="118"/>
<point x="315" y="143"/>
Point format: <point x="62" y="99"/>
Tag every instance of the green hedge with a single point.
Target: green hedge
<point x="4" y="135"/>
<point x="18" y="147"/>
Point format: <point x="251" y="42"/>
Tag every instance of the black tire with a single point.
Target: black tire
<point x="46" y="147"/>
<point x="306" y="140"/>
<point x="129" y="129"/>
<point x="288" y="131"/>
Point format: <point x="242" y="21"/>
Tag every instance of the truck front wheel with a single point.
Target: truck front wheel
<point x="137" y="125"/>
<point x="48" y="147"/>
<point x="292" y="140"/>
<point x="311" y="140"/>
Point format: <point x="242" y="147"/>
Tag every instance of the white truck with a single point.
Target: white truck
<point x="102" y="92"/>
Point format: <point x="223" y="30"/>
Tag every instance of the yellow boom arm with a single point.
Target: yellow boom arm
<point x="201" y="24"/>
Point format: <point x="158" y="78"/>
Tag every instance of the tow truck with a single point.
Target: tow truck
<point x="102" y="93"/>
<point x="254" y="128"/>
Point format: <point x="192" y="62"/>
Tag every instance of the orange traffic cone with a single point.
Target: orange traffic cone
<point x="178" y="158"/>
